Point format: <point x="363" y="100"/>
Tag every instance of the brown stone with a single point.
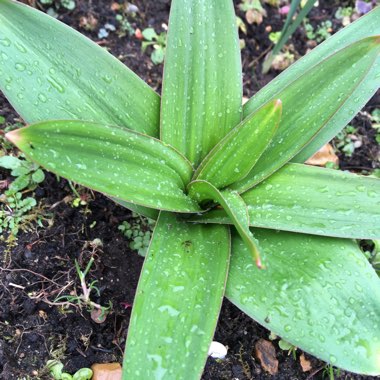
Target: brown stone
<point x="266" y="354"/>
<point x="108" y="371"/>
<point x="305" y="364"/>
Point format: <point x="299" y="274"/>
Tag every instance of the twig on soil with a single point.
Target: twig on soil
<point x="257" y="59"/>
<point x="29" y="271"/>
<point x="314" y="373"/>
<point x="16" y="286"/>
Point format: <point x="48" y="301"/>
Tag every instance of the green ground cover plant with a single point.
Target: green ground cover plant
<point x="238" y="213"/>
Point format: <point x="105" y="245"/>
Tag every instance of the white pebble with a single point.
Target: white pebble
<point x="217" y="350"/>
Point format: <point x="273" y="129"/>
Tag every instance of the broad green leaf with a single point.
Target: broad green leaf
<point x="10" y="162"/>
<point x="311" y="101"/>
<point x="365" y="26"/>
<point x="312" y="200"/>
<point x="235" y="208"/>
<point x="20" y="183"/>
<point x="115" y="161"/>
<point x="145" y="211"/>
<point x="236" y="154"/>
<point x="50" y="71"/>
<point x="178" y="300"/>
<point x="320" y="294"/>
<point x="38" y="176"/>
<point x="202" y="86"/>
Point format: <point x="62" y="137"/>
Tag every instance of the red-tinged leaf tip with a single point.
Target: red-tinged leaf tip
<point x="278" y="103"/>
<point x="13" y="136"/>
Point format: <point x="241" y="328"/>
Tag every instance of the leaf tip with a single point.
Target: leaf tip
<point x="13" y="136"/>
<point x="259" y="264"/>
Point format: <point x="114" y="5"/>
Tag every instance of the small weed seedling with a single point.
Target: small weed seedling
<point x="14" y="207"/>
<point x="321" y="33"/>
<point x="347" y="141"/>
<point x="284" y="345"/>
<point x="56" y="5"/>
<point x="344" y="14"/>
<point x="375" y="116"/>
<point x="98" y="312"/>
<point x="139" y="230"/>
<point x="158" y="41"/>
<point x="329" y="372"/>
<point x="124" y="26"/>
<point x="55" y="368"/>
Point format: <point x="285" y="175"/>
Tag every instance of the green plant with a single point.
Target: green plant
<point x="347" y="141"/>
<point x="15" y="209"/>
<point x="344" y="14"/>
<point x="98" y="312"/>
<point x="321" y="33"/>
<point x="27" y="174"/>
<point x="139" y="230"/>
<point x="219" y="200"/>
<point x="66" y="4"/>
<point x="285" y="346"/>
<point x="330" y="372"/>
<point x="55" y="368"/>
<point x="375" y="116"/>
<point x="124" y="26"/>
<point x="158" y="41"/>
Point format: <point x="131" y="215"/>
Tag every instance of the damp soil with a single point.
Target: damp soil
<point x="39" y="266"/>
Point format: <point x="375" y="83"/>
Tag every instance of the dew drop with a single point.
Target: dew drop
<point x="20" y="67"/>
<point x="42" y="98"/>
<point x="5" y="42"/>
<point x="332" y="359"/>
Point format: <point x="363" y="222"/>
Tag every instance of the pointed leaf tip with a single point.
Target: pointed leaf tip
<point x="13" y="136"/>
<point x="278" y="104"/>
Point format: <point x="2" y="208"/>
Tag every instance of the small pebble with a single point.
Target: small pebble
<point x="217" y="350"/>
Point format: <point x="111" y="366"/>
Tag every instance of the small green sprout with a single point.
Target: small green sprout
<point x="321" y="33"/>
<point x="158" y="41"/>
<point x="347" y="141"/>
<point x="98" y="312"/>
<point x="124" y="26"/>
<point x="375" y="116"/>
<point x="13" y="207"/>
<point x="139" y="230"/>
<point x="330" y="372"/>
<point x="284" y="345"/>
<point x="56" y="370"/>
<point x="66" y="4"/>
<point x="275" y="37"/>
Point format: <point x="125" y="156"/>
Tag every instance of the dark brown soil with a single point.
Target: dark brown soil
<point x="41" y="266"/>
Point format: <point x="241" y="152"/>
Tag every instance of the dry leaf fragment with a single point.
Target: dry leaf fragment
<point x="323" y="156"/>
<point x="115" y="6"/>
<point x="254" y="16"/>
<point x="305" y="364"/>
<point x="88" y="23"/>
<point x="108" y="371"/>
<point x="266" y="353"/>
